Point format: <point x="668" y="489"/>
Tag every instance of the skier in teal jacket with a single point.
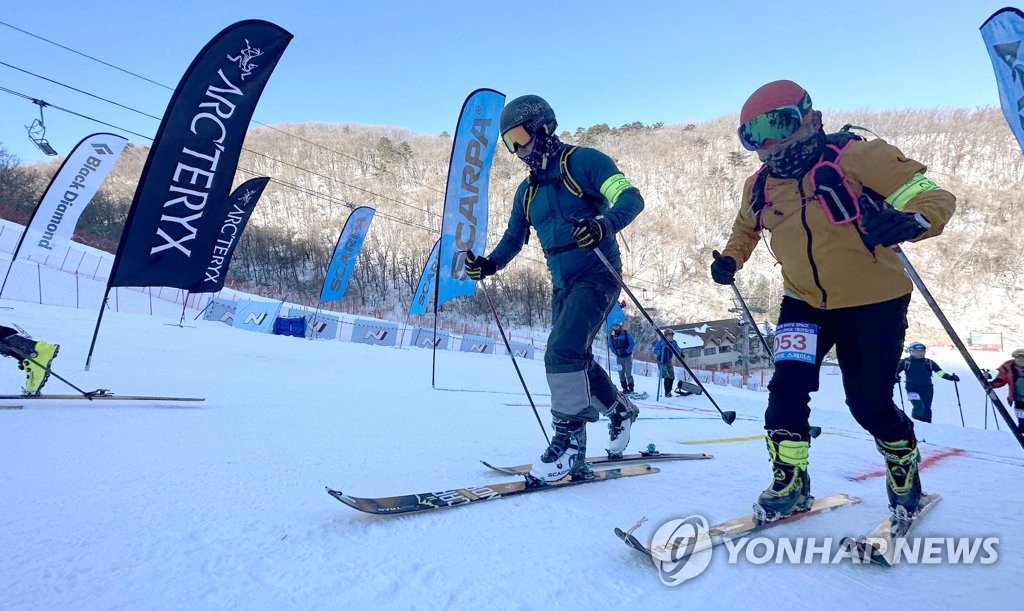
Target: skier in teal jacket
<point x="576" y="199"/>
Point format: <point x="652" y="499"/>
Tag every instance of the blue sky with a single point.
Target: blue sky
<point x="411" y="64"/>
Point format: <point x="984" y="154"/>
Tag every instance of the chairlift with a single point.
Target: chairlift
<point x="37" y="131"/>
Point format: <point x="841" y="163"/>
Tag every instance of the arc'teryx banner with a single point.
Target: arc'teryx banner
<point x="234" y="214"/>
<point x="169" y="230"/>
<point x="346" y="253"/>
<point x="72" y="188"/>
<point x="464" y="224"/>
<point x="1003" y="33"/>
<point x="424" y="295"/>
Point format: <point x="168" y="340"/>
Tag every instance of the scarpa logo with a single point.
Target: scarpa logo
<point x="681" y="549"/>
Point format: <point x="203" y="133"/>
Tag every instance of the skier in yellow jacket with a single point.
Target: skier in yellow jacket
<point x="833" y="205"/>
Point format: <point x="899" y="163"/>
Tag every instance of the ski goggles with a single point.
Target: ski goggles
<point x="516" y="138"/>
<point x="774" y="125"/>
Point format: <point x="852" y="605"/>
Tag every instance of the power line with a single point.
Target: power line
<point x="169" y="88"/>
<point x="274" y="159"/>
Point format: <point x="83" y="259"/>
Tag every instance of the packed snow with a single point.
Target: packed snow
<point x="221" y="504"/>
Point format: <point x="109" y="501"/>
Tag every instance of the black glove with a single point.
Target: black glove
<point x="723" y="269"/>
<point x="588" y="233"/>
<point x="478" y="268"/>
<point x="887" y="226"/>
<point x="953" y="377"/>
<point x="988" y="375"/>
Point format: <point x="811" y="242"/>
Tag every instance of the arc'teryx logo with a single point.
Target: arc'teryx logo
<point x="245" y="57"/>
<point x="101" y="149"/>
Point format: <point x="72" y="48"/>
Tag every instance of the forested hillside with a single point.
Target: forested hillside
<point x="690" y="176"/>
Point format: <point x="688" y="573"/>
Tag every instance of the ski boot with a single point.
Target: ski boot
<point x="37" y="366"/>
<point x="902" y="484"/>
<point x="621" y="419"/>
<point x="790" y="491"/>
<point x="566" y="456"/>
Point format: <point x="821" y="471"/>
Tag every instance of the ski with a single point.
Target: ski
<point x="603" y="460"/>
<point x="636" y="396"/>
<point x="682" y="547"/>
<point x="429" y="501"/>
<point x="11" y="406"/>
<point x="879" y="546"/>
<point x="100" y="394"/>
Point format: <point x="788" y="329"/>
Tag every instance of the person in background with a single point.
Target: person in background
<point x="917" y="371"/>
<point x="834" y="205"/>
<point x="33" y="357"/>
<point x="663" y="355"/>
<point x="576" y="199"/>
<point x="1011" y="375"/>
<point x="621" y="343"/>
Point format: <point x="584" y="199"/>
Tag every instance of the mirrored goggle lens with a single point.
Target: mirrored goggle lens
<point x="777" y="124"/>
<point x="516" y="138"/>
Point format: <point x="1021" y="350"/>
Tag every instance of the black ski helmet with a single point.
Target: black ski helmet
<point x="530" y="111"/>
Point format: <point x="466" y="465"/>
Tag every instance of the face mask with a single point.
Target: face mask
<point x="798" y="158"/>
<point x="544" y="147"/>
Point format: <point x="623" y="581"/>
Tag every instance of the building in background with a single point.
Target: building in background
<point x="722" y="345"/>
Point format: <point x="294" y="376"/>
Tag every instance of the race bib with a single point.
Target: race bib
<point x="913" y="396"/>
<point x="796" y="341"/>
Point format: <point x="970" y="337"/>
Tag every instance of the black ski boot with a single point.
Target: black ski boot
<point x="790" y="491"/>
<point x="566" y="455"/>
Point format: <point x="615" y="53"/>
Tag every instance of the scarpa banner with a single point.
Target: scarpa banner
<point x="1003" y="33"/>
<point x="191" y="165"/>
<point x="425" y="338"/>
<point x="464" y="224"/>
<point x="423" y="298"/>
<point x="477" y="343"/>
<point x="521" y="350"/>
<point x="256" y="316"/>
<point x="53" y="222"/>
<point x="346" y="253"/>
<point x="234" y="215"/>
<point x="374" y="332"/>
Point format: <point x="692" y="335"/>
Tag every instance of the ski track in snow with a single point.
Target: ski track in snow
<point x="221" y="504"/>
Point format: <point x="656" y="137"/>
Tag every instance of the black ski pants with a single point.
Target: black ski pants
<point x="868" y="341"/>
<point x="923" y="403"/>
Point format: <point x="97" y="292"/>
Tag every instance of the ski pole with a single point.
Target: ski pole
<point x="878" y="203"/>
<point x="900" y="386"/>
<point x="730" y="416"/>
<point x="957" y="388"/>
<point x="515" y="364"/>
<point x="750" y="319"/>
<point x="989" y="391"/>
<point x="985" y="409"/>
